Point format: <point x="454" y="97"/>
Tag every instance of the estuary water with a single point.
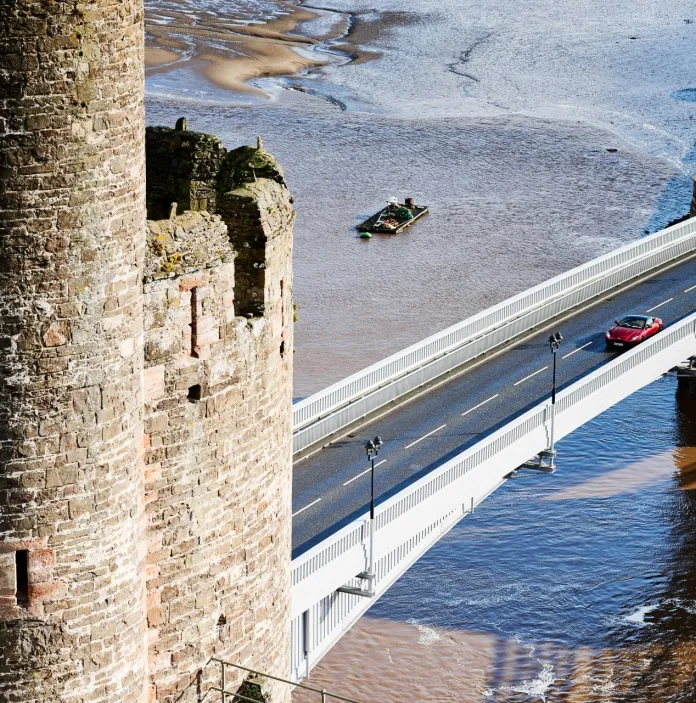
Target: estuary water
<point x="499" y="114"/>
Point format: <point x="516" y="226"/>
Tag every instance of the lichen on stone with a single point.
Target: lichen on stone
<point x="188" y="242"/>
<point x="247" y="164"/>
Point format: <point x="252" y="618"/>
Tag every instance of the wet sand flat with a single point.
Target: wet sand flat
<point x="228" y="53"/>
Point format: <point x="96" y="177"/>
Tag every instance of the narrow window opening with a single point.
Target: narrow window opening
<point x="282" y="303"/>
<point x="194" y="393"/>
<point x="282" y="318"/>
<point x="194" y="321"/>
<point x="22" y="570"/>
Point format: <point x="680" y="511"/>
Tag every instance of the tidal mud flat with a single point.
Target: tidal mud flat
<point x="231" y="44"/>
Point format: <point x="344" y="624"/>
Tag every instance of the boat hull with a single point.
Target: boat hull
<point x="370" y="224"/>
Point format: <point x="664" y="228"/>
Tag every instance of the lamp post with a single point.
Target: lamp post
<point x="372" y="449"/>
<point x="554" y="343"/>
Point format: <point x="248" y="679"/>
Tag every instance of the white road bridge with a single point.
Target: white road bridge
<point x="410" y="522"/>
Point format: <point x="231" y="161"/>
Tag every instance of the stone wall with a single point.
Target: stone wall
<point x="72" y="224"/>
<point x="218" y="475"/>
<point x="145" y="415"/>
<point x="182" y="167"/>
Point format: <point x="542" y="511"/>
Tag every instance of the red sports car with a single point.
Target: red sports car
<point x="632" y="330"/>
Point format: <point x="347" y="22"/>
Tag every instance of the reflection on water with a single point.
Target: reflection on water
<point x="576" y="587"/>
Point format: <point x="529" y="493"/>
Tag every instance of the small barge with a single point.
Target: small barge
<point x="393" y="218"/>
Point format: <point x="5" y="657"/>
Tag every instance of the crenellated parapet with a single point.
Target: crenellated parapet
<point x="217" y="386"/>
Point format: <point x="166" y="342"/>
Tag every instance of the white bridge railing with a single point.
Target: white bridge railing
<point x="409" y="523"/>
<point x="342" y="403"/>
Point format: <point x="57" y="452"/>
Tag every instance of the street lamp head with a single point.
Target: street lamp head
<point x="555" y="341"/>
<point x="369" y="447"/>
<point x="378" y="441"/>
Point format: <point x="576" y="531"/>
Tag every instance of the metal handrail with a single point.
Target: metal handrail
<point x="224" y="693"/>
<point x="615" y="268"/>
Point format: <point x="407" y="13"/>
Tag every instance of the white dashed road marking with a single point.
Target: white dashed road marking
<point x="476" y="407"/>
<point x="526" y="378"/>
<point x="659" y="305"/>
<point x="575" y="351"/>
<point x="367" y="471"/>
<point x="301" y="510"/>
<point x="426" y="435"/>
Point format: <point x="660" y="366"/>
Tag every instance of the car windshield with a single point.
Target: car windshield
<point x="636" y="323"/>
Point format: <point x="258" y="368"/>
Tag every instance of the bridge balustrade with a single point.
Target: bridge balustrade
<point x="342" y="403"/>
<point x="410" y="522"/>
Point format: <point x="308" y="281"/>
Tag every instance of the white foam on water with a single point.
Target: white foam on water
<point x="427" y="635"/>
<point x="638" y="616"/>
<point x="688" y="605"/>
<point x="536" y="688"/>
<point x="604" y="688"/>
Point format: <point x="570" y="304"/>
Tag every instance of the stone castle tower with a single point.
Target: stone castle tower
<point x="145" y="378"/>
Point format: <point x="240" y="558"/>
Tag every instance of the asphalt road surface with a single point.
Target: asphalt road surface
<point x="332" y="487"/>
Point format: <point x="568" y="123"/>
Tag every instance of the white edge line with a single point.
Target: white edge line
<point x="425" y="435"/>
<point x="301" y="510"/>
<point x="659" y="305"/>
<point x="688" y="289"/>
<point x="526" y="378"/>
<point x="575" y="351"/>
<point x="350" y="480"/>
<point x="476" y="407"/>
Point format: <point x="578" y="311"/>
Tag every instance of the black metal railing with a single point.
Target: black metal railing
<point x="231" y="697"/>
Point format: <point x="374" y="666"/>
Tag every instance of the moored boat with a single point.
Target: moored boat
<point x="393" y="218"/>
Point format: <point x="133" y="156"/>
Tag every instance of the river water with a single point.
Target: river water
<point x="580" y="586"/>
<point x="496" y="114"/>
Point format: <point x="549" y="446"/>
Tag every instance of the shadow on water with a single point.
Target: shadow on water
<point x="670" y="632"/>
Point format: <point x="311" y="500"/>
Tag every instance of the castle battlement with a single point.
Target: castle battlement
<point x="217" y="392"/>
<point x="145" y="378"/>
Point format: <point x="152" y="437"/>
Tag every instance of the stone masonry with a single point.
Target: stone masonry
<point x="145" y="378"/>
<point x="217" y="388"/>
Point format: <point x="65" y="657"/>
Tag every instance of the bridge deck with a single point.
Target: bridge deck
<point x="328" y="488"/>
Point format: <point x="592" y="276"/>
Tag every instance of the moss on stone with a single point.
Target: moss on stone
<point x="251" y="689"/>
<point x="246" y="165"/>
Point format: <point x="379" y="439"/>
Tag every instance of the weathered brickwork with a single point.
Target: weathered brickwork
<point x="218" y="455"/>
<point x="71" y="254"/>
<point x="182" y="167"/>
<point x="145" y="403"/>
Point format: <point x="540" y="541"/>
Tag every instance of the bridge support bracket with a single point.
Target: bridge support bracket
<point x="355" y="591"/>
<point x="368" y="592"/>
<point x="543" y="461"/>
